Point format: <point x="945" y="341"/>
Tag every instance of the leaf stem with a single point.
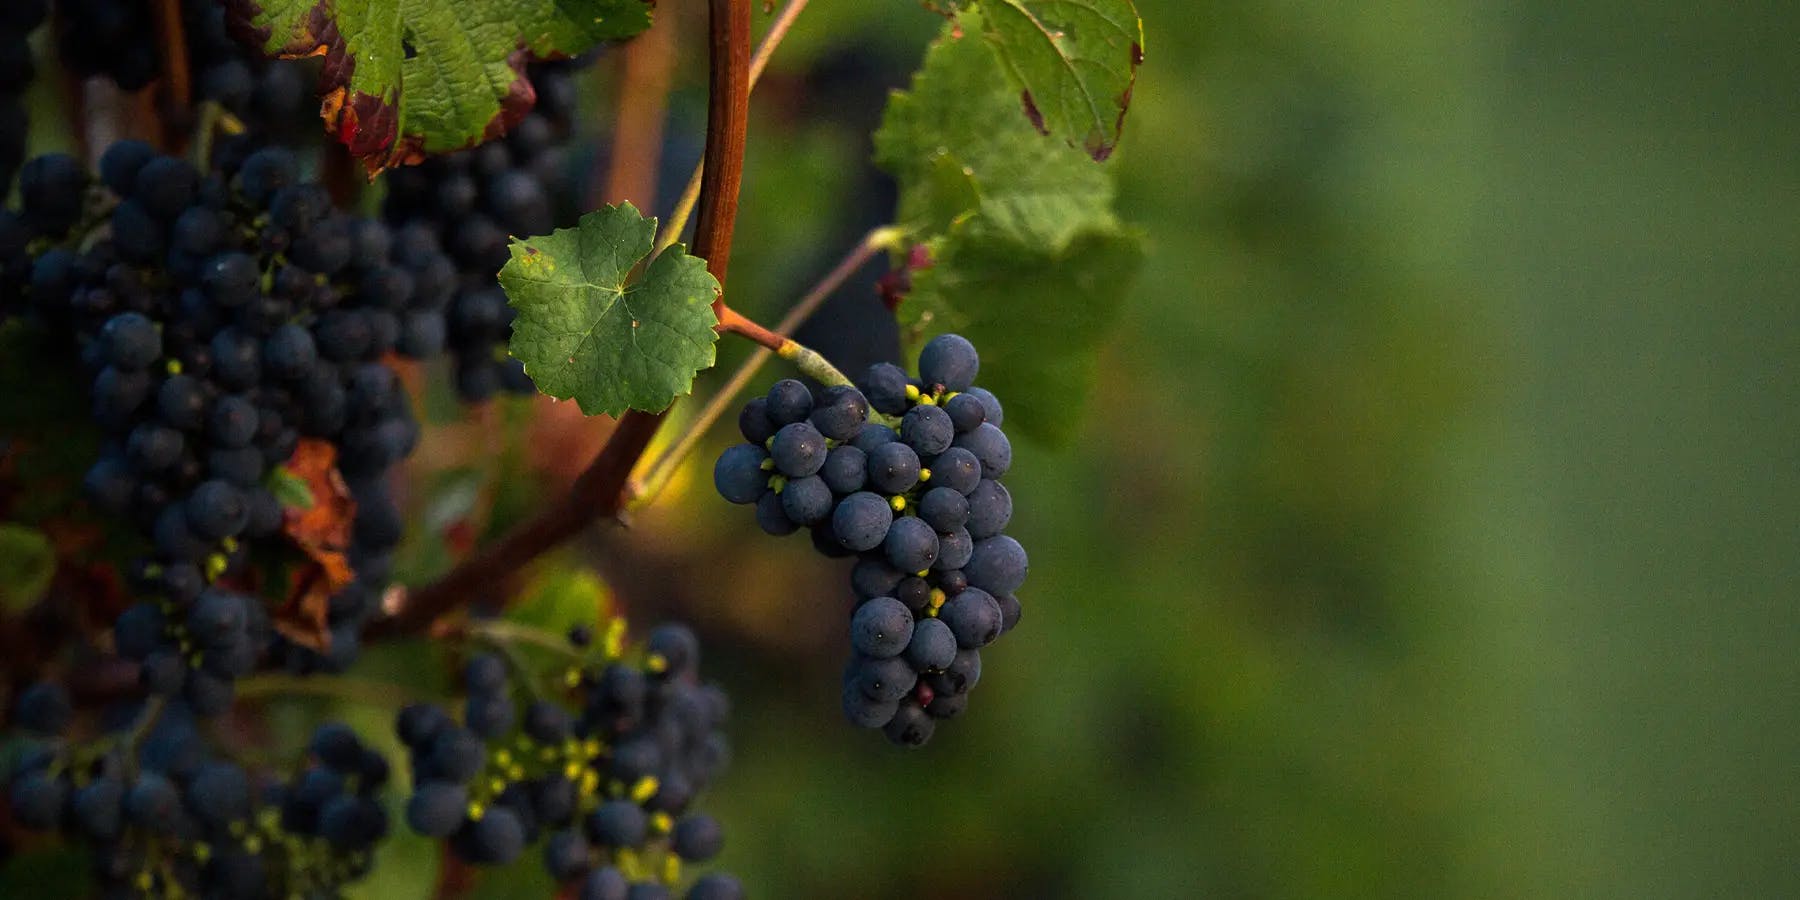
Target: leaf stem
<point x="645" y="488"/>
<point x="146" y="720"/>
<point x="684" y="207"/>
<point x="500" y="631"/>
<point x="598" y="493"/>
<point x="810" y="362"/>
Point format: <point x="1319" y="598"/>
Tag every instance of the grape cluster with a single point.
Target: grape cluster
<point x="603" y="771"/>
<point x="164" y="816"/>
<point x="18" y="19"/>
<point x="473" y="201"/>
<point x="223" y="320"/>
<point x="919" y="501"/>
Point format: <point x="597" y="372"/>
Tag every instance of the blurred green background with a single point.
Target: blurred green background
<point x="1434" y="532"/>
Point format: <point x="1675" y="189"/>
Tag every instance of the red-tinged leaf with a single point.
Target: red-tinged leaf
<point x="405" y="80"/>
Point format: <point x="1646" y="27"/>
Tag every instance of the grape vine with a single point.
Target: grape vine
<point x="231" y="347"/>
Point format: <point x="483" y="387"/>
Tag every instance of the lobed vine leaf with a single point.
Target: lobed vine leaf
<point x="1073" y="61"/>
<point x="406" y="78"/>
<point x="586" y="331"/>
<point x="1025" y="250"/>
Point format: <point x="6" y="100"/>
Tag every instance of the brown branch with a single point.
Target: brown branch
<point x="649" y="68"/>
<point x="595" y="495"/>
<point x="765" y="51"/>
<point x="727" y="127"/>
<point x="177" y="83"/>
<point x="599" y="492"/>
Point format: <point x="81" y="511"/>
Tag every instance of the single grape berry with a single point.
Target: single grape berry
<point x="806" y="501"/>
<point x="862" y="521"/>
<point x="880" y="628"/>
<point x="991" y="448"/>
<point x="788" y="402"/>
<point x="846" y="470"/>
<point x="973" y="617"/>
<point x="998" y="565"/>
<point x="944" y="508"/>
<point x="911" y="545"/>
<point x="798" y="450"/>
<point x="893" y="468"/>
<point x="933" y="645"/>
<point x="840" y="413"/>
<point x="754" y="422"/>
<point x="910" y="726"/>
<point x="884" y="384"/>
<point x="966" y="412"/>
<point x="739" y="475"/>
<point x="131" y="341"/>
<point x="990" y="509"/>
<point x="217" y="510"/>
<point x="954" y="549"/>
<point x="437" y="808"/>
<point x="949" y="361"/>
<point x="697" y="838"/>
<point x="882" y="679"/>
<point x="864" y="711"/>
<point x="928" y="430"/>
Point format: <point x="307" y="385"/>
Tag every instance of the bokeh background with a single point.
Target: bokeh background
<point x="1434" y="532"/>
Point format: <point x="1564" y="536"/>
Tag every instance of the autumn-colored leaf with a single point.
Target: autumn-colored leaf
<point x="322" y="532"/>
<point x="405" y="79"/>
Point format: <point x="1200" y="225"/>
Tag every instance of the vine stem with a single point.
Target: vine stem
<point x="648" y="71"/>
<point x="500" y="631"/>
<point x="598" y="493"/>
<point x="690" y="195"/>
<point x="644" y="488"/>
<point x="177" y="86"/>
<point x="342" y="687"/>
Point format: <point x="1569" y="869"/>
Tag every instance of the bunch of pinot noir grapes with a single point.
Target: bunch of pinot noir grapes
<point x="917" y="497"/>
<point x="164" y="816"/>
<point x="602" y="770"/>
<point x="223" y="319"/>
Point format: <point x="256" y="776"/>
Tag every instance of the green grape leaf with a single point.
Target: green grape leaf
<point x="27" y="563"/>
<point x="406" y="78"/>
<point x="1038" y="315"/>
<point x="586" y="331"/>
<point x="1028" y="259"/>
<point x="958" y="119"/>
<point x="1075" y="62"/>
